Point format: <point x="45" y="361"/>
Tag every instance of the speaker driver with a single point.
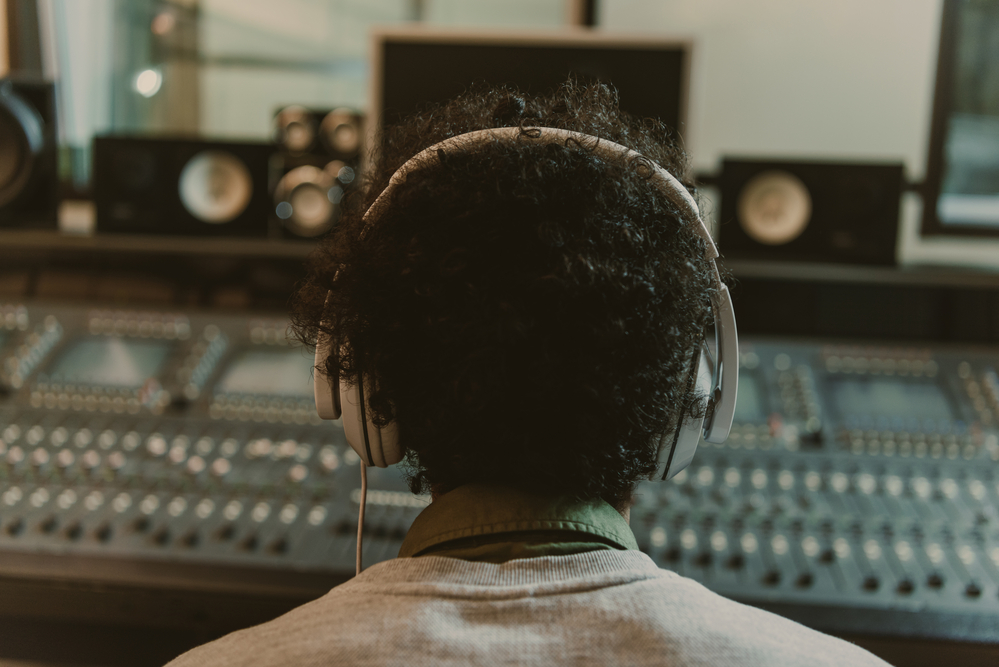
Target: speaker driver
<point x="774" y="207"/>
<point x="341" y="132"/>
<point x="308" y="199"/>
<point x="295" y="129"/>
<point x="215" y="186"/>
<point x="21" y="141"/>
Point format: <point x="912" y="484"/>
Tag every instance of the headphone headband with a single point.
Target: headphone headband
<point x="666" y="183"/>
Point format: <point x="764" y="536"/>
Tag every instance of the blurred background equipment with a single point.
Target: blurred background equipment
<point x="308" y="198"/>
<point x="810" y="211"/>
<point x="187" y="187"/>
<point x="319" y="157"/>
<point x="28" y="179"/>
<point x="305" y="133"/>
<point x="178" y="450"/>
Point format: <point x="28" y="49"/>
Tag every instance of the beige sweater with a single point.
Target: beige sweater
<point x="594" y="608"/>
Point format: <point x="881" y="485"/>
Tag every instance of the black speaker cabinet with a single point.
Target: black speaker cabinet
<point x="319" y="154"/>
<point x="336" y="134"/>
<point x="810" y="211"/>
<point x="29" y="180"/>
<point x="185" y="187"/>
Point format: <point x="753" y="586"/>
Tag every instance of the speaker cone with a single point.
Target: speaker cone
<point x="215" y="186"/>
<point x="341" y="132"/>
<point x="295" y="129"/>
<point x="308" y="199"/>
<point x="21" y="141"/>
<point x="774" y="207"/>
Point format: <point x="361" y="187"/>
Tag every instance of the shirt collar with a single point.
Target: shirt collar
<point x="486" y="509"/>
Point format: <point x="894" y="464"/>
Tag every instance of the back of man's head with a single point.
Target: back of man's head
<point x="528" y="312"/>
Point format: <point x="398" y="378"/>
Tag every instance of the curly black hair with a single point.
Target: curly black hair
<point x="529" y="312"/>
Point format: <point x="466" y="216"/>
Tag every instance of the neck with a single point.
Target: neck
<point x="438" y="490"/>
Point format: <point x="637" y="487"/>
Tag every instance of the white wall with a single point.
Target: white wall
<point x="795" y="78"/>
<point x="504" y="14"/>
<point x="851" y="79"/>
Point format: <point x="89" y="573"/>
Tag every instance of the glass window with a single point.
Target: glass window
<point x="222" y="68"/>
<point x="964" y="162"/>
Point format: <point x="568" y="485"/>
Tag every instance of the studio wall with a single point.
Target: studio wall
<point x="851" y="80"/>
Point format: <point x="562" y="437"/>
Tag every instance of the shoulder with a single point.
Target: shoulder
<point x="291" y="639"/>
<point x="711" y="629"/>
<point x="650" y="612"/>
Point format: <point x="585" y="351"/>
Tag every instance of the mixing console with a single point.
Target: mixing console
<point x="856" y="475"/>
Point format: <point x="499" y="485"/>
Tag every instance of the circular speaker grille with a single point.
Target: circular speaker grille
<point x="341" y="131"/>
<point x="307" y="200"/>
<point x="215" y="187"/>
<point x="20" y="141"/>
<point x="295" y="129"/>
<point x="774" y="207"/>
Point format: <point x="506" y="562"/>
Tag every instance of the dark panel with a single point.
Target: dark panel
<point x="859" y="310"/>
<point x="29" y="190"/>
<point x="650" y="81"/>
<point x="774" y="307"/>
<point x="879" y="312"/>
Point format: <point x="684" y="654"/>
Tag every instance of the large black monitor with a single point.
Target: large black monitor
<point x="414" y="67"/>
<point x="961" y="196"/>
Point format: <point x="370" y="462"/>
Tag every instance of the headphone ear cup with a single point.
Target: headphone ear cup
<point x="688" y="434"/>
<point x="327" y="400"/>
<point x="376" y="446"/>
<point x="353" y="427"/>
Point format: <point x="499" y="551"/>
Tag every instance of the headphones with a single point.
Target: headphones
<point x="716" y="378"/>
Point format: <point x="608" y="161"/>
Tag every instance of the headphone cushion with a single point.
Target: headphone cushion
<point x="673" y="459"/>
<point x="383" y="443"/>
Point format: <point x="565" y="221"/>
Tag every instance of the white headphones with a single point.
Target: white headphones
<point x="717" y="378"/>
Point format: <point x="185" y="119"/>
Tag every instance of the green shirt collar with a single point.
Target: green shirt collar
<point x="496" y="523"/>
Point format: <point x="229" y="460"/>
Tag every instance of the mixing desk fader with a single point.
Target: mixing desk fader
<point x="856" y="476"/>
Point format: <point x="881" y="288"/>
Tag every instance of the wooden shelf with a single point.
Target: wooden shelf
<point x="54" y="241"/>
<point x="51" y="241"/>
<point x="928" y="276"/>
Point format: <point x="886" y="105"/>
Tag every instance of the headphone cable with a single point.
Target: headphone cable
<point x="360" y="514"/>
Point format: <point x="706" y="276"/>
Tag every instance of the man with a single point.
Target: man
<point x="525" y="315"/>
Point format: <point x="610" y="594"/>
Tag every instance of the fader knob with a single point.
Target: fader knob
<point x="104" y="533"/>
<point x="48" y="525"/>
<point x="156" y="445"/>
<point x="73" y="531"/>
<point x="15" y="527"/>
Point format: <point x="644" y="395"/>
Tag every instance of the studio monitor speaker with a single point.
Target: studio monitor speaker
<point x="810" y="211"/>
<point x="185" y="187"/>
<point x="319" y="152"/>
<point x="336" y="134"/>
<point x="29" y="184"/>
